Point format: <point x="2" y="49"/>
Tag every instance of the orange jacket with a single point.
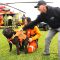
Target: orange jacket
<point x="34" y="33"/>
<point x="21" y="37"/>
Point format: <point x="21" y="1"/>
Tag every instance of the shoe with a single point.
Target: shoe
<point x="45" y="53"/>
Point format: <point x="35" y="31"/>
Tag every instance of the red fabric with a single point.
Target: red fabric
<point x="34" y="45"/>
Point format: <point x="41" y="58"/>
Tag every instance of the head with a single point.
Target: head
<point x="41" y="6"/>
<point x="8" y="32"/>
<point x="23" y="17"/>
<point x="27" y="20"/>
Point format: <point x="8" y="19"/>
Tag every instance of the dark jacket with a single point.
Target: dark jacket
<point x="51" y="17"/>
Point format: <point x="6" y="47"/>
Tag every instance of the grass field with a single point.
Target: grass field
<point x="37" y="55"/>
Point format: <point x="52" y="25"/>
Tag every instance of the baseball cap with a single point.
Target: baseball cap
<point x="40" y="3"/>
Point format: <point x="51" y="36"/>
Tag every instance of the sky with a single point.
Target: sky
<point x="29" y="7"/>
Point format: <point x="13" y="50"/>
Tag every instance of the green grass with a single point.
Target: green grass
<point x="37" y="55"/>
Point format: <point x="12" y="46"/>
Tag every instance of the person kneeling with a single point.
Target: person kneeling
<point x="33" y="34"/>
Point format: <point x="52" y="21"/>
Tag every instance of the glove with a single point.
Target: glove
<point x="30" y="40"/>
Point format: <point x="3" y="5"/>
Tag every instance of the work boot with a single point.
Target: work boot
<point x="46" y="53"/>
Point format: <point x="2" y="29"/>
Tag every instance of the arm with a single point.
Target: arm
<point x="38" y="34"/>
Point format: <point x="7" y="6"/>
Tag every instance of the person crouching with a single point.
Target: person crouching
<point x="33" y="34"/>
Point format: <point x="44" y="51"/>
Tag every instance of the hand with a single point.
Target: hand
<point x="21" y="29"/>
<point x="30" y="39"/>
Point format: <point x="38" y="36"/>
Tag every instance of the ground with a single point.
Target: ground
<point x="37" y="55"/>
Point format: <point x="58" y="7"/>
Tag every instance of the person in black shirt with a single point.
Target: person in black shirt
<point x="51" y="16"/>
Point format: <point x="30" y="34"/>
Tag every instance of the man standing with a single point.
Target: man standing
<point x="51" y="16"/>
